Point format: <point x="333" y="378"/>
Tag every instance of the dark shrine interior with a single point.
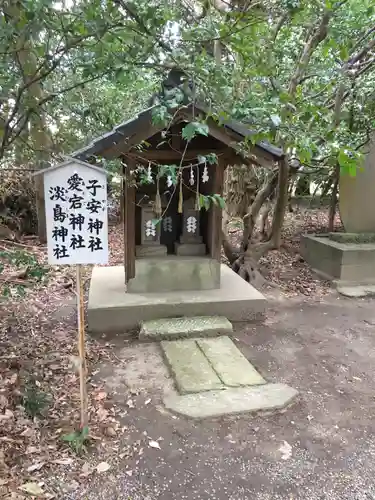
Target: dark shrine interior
<point x="171" y="145"/>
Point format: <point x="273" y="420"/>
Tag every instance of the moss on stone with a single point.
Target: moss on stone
<point x="352" y="237"/>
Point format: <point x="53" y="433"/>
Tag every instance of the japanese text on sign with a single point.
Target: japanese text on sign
<point x="76" y="212"/>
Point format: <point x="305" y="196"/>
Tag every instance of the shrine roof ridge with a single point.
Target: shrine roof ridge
<point x="67" y="161"/>
<point x="127" y="129"/>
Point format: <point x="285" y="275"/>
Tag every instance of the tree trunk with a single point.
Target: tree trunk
<point x="281" y="202"/>
<point x="246" y="265"/>
<point x="303" y="186"/>
<point x="229" y="252"/>
<point x="241" y="186"/>
<point x="250" y="218"/>
<point x="40" y="137"/>
<point x="333" y="201"/>
<point x="264" y="225"/>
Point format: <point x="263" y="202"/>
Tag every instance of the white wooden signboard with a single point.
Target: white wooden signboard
<point x="76" y="212"/>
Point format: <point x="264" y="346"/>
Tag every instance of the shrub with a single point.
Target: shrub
<point x="17" y="201"/>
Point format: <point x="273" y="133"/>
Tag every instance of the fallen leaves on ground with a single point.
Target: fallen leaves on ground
<point x="285" y="267"/>
<point x="154" y="444"/>
<point x="103" y="467"/>
<point x="286" y="451"/>
<point x="32" y="488"/>
<point x="39" y="387"/>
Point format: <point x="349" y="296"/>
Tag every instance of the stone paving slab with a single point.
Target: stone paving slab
<point x="357" y="291"/>
<point x="233" y="369"/>
<point x="231" y="401"/>
<point x="189" y="366"/>
<point x="176" y="328"/>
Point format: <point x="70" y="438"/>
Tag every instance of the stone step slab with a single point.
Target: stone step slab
<point x="189" y="366"/>
<point x="357" y="291"/>
<point x="233" y="369"/>
<point x="179" y="328"/>
<point x="231" y="401"/>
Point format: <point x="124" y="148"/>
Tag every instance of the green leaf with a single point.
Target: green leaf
<point x="342" y="158"/>
<point x="168" y="171"/>
<point x="284" y="97"/>
<point x="21" y="290"/>
<point x="326" y="50"/>
<point x="223" y="116"/>
<point x="352" y="170"/>
<point x="173" y="104"/>
<point x="194" y="128"/>
<point x="328" y="4"/>
<point x="305" y="155"/>
<point x="160" y="115"/>
<point x="349" y="161"/>
<point x="204" y="201"/>
<point x="70" y="438"/>
<point x="276" y="120"/>
<point x="85" y="431"/>
<point x="219" y="200"/>
<point x="211" y="159"/>
<point x="201" y="201"/>
<point x="344" y="54"/>
<point x="77" y="439"/>
<point x="214" y="200"/>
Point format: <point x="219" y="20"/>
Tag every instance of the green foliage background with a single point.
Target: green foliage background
<point x="91" y="64"/>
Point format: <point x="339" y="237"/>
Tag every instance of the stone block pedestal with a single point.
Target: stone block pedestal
<point x="343" y="263"/>
<point x="190" y="249"/>
<point x="191" y="242"/>
<point x="173" y="273"/>
<point x="150" y="251"/>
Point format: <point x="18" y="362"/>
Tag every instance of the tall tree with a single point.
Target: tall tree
<point x="53" y="50"/>
<point x="299" y="72"/>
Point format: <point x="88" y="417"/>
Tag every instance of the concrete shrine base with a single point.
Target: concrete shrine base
<point x="112" y="310"/>
<point x="174" y="273"/>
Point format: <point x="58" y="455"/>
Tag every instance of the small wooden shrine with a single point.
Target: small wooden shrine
<point x="172" y="210"/>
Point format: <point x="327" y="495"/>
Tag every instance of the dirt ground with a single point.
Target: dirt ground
<point x="322" y="447"/>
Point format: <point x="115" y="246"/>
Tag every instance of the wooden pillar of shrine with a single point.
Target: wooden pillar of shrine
<point x="129" y="222"/>
<point x="215" y="212"/>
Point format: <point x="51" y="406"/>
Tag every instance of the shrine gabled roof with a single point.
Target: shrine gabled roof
<point x="242" y="129"/>
<point x="124" y="131"/>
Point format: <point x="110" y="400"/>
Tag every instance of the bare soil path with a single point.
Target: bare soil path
<point x="322" y="447"/>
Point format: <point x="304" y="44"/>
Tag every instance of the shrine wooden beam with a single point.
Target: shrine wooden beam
<point x="170" y="155"/>
<point x="177" y="142"/>
<point x="122" y="147"/>
<point x="215" y="212"/>
<point x="123" y="204"/>
<point x="129" y="225"/>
